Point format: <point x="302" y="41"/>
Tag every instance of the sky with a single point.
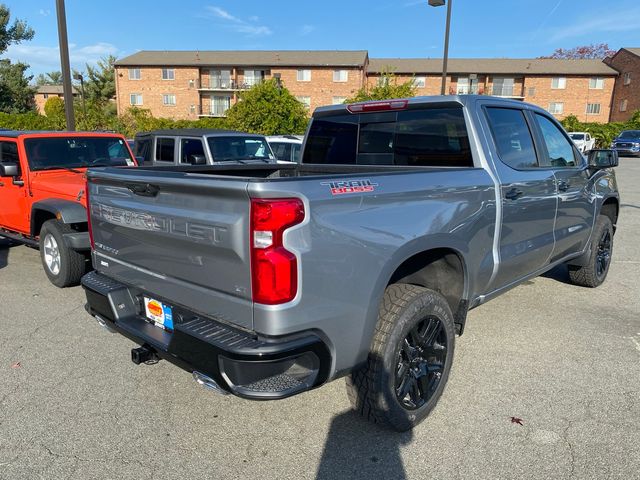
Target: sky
<point x="403" y="28"/>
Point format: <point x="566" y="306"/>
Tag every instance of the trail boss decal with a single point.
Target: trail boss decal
<point x="341" y="187"/>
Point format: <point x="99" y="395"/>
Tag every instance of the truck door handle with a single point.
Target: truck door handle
<point x="563" y="186"/>
<point x="144" y="189"/>
<point x="513" y="194"/>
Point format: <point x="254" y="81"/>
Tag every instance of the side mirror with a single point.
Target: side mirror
<point x="9" y="169"/>
<point x="197" y="159"/>
<point x="602" y="158"/>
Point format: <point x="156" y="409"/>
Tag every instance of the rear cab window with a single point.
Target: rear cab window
<point x="512" y="137"/>
<point x="427" y="136"/>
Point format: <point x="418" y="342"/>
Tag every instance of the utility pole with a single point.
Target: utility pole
<point x="67" y="88"/>
<point x="445" y="58"/>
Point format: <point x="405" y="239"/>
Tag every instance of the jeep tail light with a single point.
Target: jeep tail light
<point x="274" y="269"/>
<point x="86" y="197"/>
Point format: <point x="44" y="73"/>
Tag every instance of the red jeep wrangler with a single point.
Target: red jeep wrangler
<point x="42" y="198"/>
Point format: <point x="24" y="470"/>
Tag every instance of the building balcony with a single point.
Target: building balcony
<point x="515" y="91"/>
<point x="219" y="84"/>
<point x="218" y="111"/>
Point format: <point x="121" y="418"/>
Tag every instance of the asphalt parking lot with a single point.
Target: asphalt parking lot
<point x="563" y="359"/>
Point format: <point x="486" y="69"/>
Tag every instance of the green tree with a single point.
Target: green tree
<point x="54" y="110"/>
<point x="17" y="32"/>
<point x="269" y="109"/>
<point x="100" y="82"/>
<point x="49" y="78"/>
<point x="16" y="95"/>
<point x="386" y="88"/>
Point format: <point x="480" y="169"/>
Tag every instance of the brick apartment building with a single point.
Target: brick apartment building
<point x="192" y="84"/>
<point x="44" y="92"/>
<point x="626" y="94"/>
<point x="580" y="87"/>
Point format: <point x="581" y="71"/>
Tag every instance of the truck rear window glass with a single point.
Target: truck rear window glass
<point x="420" y="137"/>
<point x="225" y="149"/>
<point x="51" y="153"/>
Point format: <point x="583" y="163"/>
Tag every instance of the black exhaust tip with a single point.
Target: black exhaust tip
<point x="143" y="355"/>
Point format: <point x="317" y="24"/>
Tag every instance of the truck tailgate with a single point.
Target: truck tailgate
<point x="184" y="237"/>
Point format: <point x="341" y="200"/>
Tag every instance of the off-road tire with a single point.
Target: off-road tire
<point x="372" y="389"/>
<point x="72" y="263"/>
<point x="591" y="275"/>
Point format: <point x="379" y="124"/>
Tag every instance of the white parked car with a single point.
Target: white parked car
<point x="583" y="140"/>
<point x="286" y="147"/>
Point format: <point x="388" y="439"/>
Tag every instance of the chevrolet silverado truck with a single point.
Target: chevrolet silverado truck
<point x="42" y="201"/>
<point x="265" y="281"/>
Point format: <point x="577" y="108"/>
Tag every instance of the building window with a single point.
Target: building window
<point x="383" y="81"/>
<point x="168" y="74"/>
<point x="135" y="99"/>
<point x="45" y="95"/>
<point x="304" y="75"/>
<point x="340" y="75"/>
<point x="305" y="100"/>
<point x="558" y="83"/>
<point x="596" y="83"/>
<point x="220" y="104"/>
<point x="169" y="99"/>
<point x="134" y="74"/>
<point x="503" y="86"/>
<point x="420" y="82"/>
<point x="623" y="105"/>
<point x="338" y="100"/>
<point x="556" y="108"/>
<point x="253" y="77"/>
<point x="532" y="92"/>
<point x="627" y="78"/>
<point x="593" y="108"/>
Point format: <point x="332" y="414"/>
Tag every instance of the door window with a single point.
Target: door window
<point x="560" y="151"/>
<point x="189" y="147"/>
<point x="165" y="148"/>
<point x="9" y="152"/>
<point x="512" y="137"/>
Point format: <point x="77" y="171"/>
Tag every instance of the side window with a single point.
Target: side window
<point x="165" y="148"/>
<point x="143" y="149"/>
<point x="559" y="148"/>
<point x="296" y="152"/>
<point x="512" y="137"/>
<point x="282" y="151"/>
<point x="188" y="147"/>
<point x="9" y="152"/>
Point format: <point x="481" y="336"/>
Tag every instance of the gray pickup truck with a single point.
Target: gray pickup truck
<point x="265" y="281"/>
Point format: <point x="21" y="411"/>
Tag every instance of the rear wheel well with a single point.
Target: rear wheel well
<point x="610" y="208"/>
<point x="442" y="270"/>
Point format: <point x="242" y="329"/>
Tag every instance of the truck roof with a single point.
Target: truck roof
<point x="54" y="133"/>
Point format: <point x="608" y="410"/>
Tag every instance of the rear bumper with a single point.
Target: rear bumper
<point x="242" y="363"/>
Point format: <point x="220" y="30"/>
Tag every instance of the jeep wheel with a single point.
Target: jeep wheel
<point x="63" y="266"/>
<point x="594" y="273"/>
<point x="409" y="361"/>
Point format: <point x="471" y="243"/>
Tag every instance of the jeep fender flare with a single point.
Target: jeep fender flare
<point x="66" y="211"/>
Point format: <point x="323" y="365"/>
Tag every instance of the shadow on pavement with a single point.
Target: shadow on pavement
<point x="357" y="449"/>
<point x="559" y="274"/>
<point x="5" y="245"/>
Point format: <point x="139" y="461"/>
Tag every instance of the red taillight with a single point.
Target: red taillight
<point x="86" y="196"/>
<point x="274" y="269"/>
<point x="378" y="106"/>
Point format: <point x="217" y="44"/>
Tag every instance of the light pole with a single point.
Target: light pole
<point x="78" y="76"/>
<point x="64" y="61"/>
<point x="445" y="58"/>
